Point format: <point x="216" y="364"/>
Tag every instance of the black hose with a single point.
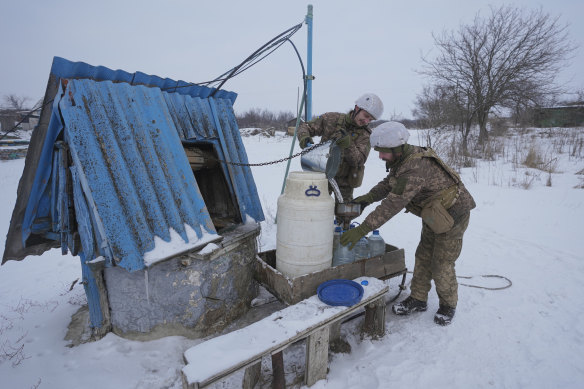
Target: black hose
<point x="303" y="75"/>
<point x="276" y="41"/>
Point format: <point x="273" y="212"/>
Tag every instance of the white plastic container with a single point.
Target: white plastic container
<point x="304" y="239"/>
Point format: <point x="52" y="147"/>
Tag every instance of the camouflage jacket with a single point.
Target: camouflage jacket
<point x="409" y="184"/>
<point x="328" y="126"/>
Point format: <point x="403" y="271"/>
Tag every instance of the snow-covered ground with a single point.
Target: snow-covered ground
<point x="528" y="335"/>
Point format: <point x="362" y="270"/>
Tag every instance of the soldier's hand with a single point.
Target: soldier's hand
<point x="304" y="142"/>
<point x="344" y="141"/>
<point x="363" y="200"/>
<point x="352" y="236"/>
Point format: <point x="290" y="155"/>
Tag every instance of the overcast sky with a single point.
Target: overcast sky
<point x="358" y="46"/>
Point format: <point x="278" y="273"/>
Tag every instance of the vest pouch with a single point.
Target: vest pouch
<point x="355" y="176"/>
<point x="437" y="217"/>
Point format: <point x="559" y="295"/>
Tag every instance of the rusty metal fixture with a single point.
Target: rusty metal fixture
<point x="345" y="212"/>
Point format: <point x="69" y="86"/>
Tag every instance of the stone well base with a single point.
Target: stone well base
<point x="192" y="295"/>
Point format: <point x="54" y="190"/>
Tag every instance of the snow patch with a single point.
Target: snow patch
<point x="163" y="249"/>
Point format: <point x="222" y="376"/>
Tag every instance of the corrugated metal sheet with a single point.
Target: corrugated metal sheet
<point x="130" y="177"/>
<point x="66" y="69"/>
<point x="124" y="143"/>
<point x="214" y="119"/>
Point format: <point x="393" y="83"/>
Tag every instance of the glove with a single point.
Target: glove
<point x="344" y="141"/>
<point x="364" y="200"/>
<point x="305" y="141"/>
<point x="352" y="236"/>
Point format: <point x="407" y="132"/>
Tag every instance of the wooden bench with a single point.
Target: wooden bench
<point x="221" y="356"/>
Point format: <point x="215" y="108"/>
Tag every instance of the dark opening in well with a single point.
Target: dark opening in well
<point x="210" y="177"/>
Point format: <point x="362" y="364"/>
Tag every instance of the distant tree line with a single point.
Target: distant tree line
<point x="264" y="119"/>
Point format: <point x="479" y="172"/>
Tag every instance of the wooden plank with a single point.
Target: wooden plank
<point x="293" y="290"/>
<point x="251" y="376"/>
<point x="196" y="160"/>
<point x="381" y="266"/>
<point x="192" y="152"/>
<point x="374" y="323"/>
<point x="219" y="357"/>
<point x="317" y="356"/>
<point x="278" y="378"/>
<point x="273" y="281"/>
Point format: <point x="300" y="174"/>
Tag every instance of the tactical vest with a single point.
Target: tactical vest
<point x="353" y="174"/>
<point x="447" y="196"/>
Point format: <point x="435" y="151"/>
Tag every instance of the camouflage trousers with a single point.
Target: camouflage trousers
<point x="435" y="260"/>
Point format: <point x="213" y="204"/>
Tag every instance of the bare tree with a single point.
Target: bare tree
<point x="15" y="102"/>
<point x="432" y="107"/>
<point x="439" y="106"/>
<point x="510" y="56"/>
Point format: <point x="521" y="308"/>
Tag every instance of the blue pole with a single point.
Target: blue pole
<point x="309" y="76"/>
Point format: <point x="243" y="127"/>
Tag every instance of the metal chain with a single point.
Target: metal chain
<point x="306" y="150"/>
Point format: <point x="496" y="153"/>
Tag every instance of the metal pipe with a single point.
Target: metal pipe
<point x="309" y="76"/>
<point x="293" y="142"/>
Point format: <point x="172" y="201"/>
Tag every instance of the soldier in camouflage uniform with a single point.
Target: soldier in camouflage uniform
<point x="351" y="134"/>
<point x="424" y="185"/>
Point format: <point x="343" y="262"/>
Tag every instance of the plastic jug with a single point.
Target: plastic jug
<point x="361" y="249"/>
<point x="336" y="240"/>
<point x="343" y="255"/>
<point x="376" y="244"/>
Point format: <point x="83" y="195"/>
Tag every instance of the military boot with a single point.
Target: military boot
<point x="408" y="306"/>
<point x="444" y="315"/>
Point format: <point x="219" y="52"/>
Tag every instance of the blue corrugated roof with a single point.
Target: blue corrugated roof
<point x="63" y="68"/>
<point x="214" y="119"/>
<point x="131" y="180"/>
<point x="123" y="141"/>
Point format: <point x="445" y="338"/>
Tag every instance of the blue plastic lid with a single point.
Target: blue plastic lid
<point x="338" y="229"/>
<point x="375" y="232"/>
<point x="340" y="292"/>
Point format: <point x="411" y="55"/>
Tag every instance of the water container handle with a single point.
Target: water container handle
<point x="312" y="191"/>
